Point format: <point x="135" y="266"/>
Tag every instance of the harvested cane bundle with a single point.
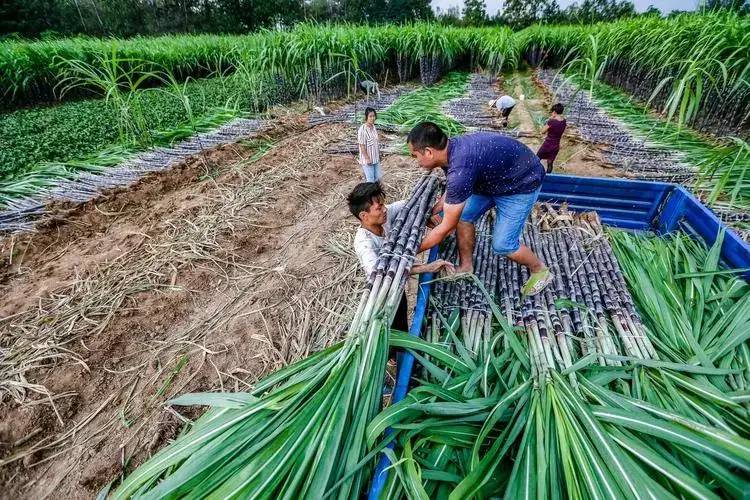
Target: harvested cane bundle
<point x="587" y="309"/>
<point x="300" y="433"/>
<point x="505" y="421"/>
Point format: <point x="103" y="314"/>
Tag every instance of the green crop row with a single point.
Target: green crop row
<point x="724" y="166"/>
<point x="37" y="71"/>
<point x="695" y="67"/>
<point x="29" y="137"/>
<point x="148" y="85"/>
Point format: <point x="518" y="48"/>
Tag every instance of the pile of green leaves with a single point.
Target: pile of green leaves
<point x="500" y="423"/>
<point x="696" y="311"/>
<point x="425" y="104"/>
<point x="298" y="434"/>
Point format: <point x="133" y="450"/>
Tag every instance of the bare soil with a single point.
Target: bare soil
<point x="576" y="157"/>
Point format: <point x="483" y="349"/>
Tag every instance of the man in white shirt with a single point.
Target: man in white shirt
<point x="367" y="203"/>
<point x="505" y="104"/>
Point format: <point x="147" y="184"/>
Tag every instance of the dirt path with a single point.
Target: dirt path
<point x="576" y="157"/>
<point x="204" y="277"/>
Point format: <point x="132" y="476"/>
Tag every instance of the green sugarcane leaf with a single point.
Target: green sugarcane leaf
<point x="599" y="438"/>
<point x="640" y="450"/>
<point x="416" y="344"/>
<point x="234" y="400"/>
<point x="709" y="441"/>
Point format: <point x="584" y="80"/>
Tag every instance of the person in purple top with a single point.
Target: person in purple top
<point x="483" y="170"/>
<point x="554" y="129"/>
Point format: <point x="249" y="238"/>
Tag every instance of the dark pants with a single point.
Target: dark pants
<point x="548" y="151"/>
<point x="401" y="319"/>
<point x="505" y="112"/>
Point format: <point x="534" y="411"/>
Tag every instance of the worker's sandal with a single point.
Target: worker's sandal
<point x="537" y="282"/>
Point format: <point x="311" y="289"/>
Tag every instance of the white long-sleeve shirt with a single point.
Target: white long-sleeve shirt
<point x="367" y="244"/>
<point x="505" y="102"/>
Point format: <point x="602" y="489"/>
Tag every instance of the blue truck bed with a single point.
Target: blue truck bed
<point x="636" y="205"/>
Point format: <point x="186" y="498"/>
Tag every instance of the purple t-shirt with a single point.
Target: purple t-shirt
<point x="490" y="164"/>
<point x="555" y="132"/>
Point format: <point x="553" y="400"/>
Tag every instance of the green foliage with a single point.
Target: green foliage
<point x="29" y="137"/>
<point x="677" y="62"/>
<point x="724" y="165"/>
<point x="425" y="105"/>
<point x="475" y="12"/>
<point x="480" y="425"/>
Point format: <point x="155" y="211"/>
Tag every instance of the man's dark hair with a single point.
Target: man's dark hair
<point x="427" y="135"/>
<point x="558" y="108"/>
<point x="360" y="199"/>
<point x="369" y="110"/>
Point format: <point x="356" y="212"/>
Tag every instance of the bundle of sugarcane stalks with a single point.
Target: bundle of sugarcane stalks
<point x="531" y="398"/>
<point x="587" y="309"/>
<point x="300" y="432"/>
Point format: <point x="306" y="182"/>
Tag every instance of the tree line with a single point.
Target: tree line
<point x="50" y="18"/>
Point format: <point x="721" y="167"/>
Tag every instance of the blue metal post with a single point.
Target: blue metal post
<point x="405" y="367"/>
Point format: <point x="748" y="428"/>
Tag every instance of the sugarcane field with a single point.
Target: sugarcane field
<point x="300" y="250"/>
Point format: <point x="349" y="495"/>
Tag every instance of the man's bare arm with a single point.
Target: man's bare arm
<point x="451" y="216"/>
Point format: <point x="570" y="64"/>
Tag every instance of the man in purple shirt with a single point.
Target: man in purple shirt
<point x="483" y="170"/>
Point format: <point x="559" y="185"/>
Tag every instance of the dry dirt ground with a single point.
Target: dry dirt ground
<point x="204" y="277"/>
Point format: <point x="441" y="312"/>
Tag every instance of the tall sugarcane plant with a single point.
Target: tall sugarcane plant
<point x="692" y="67"/>
<point x="301" y="432"/>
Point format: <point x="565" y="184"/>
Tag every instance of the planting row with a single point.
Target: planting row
<point x="693" y="66"/>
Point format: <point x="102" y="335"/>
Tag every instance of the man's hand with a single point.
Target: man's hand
<point x="434" y="221"/>
<point x="440" y="265"/>
<point x="452" y="213"/>
<point x="438" y="206"/>
<point x="434" y="267"/>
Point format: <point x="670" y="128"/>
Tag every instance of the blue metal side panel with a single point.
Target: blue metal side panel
<point x="620" y="202"/>
<point x="405" y="366"/>
<point x="683" y="211"/>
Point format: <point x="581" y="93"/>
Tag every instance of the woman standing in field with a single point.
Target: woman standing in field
<point x="369" y="147"/>
<point x="554" y="129"/>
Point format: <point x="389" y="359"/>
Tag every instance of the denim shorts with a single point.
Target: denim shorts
<point x="511" y="214"/>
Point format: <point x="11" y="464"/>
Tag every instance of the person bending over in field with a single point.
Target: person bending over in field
<point x="505" y="104"/>
<point x="367" y="203"/>
<point x="483" y="170"/>
<point x="554" y="129"/>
